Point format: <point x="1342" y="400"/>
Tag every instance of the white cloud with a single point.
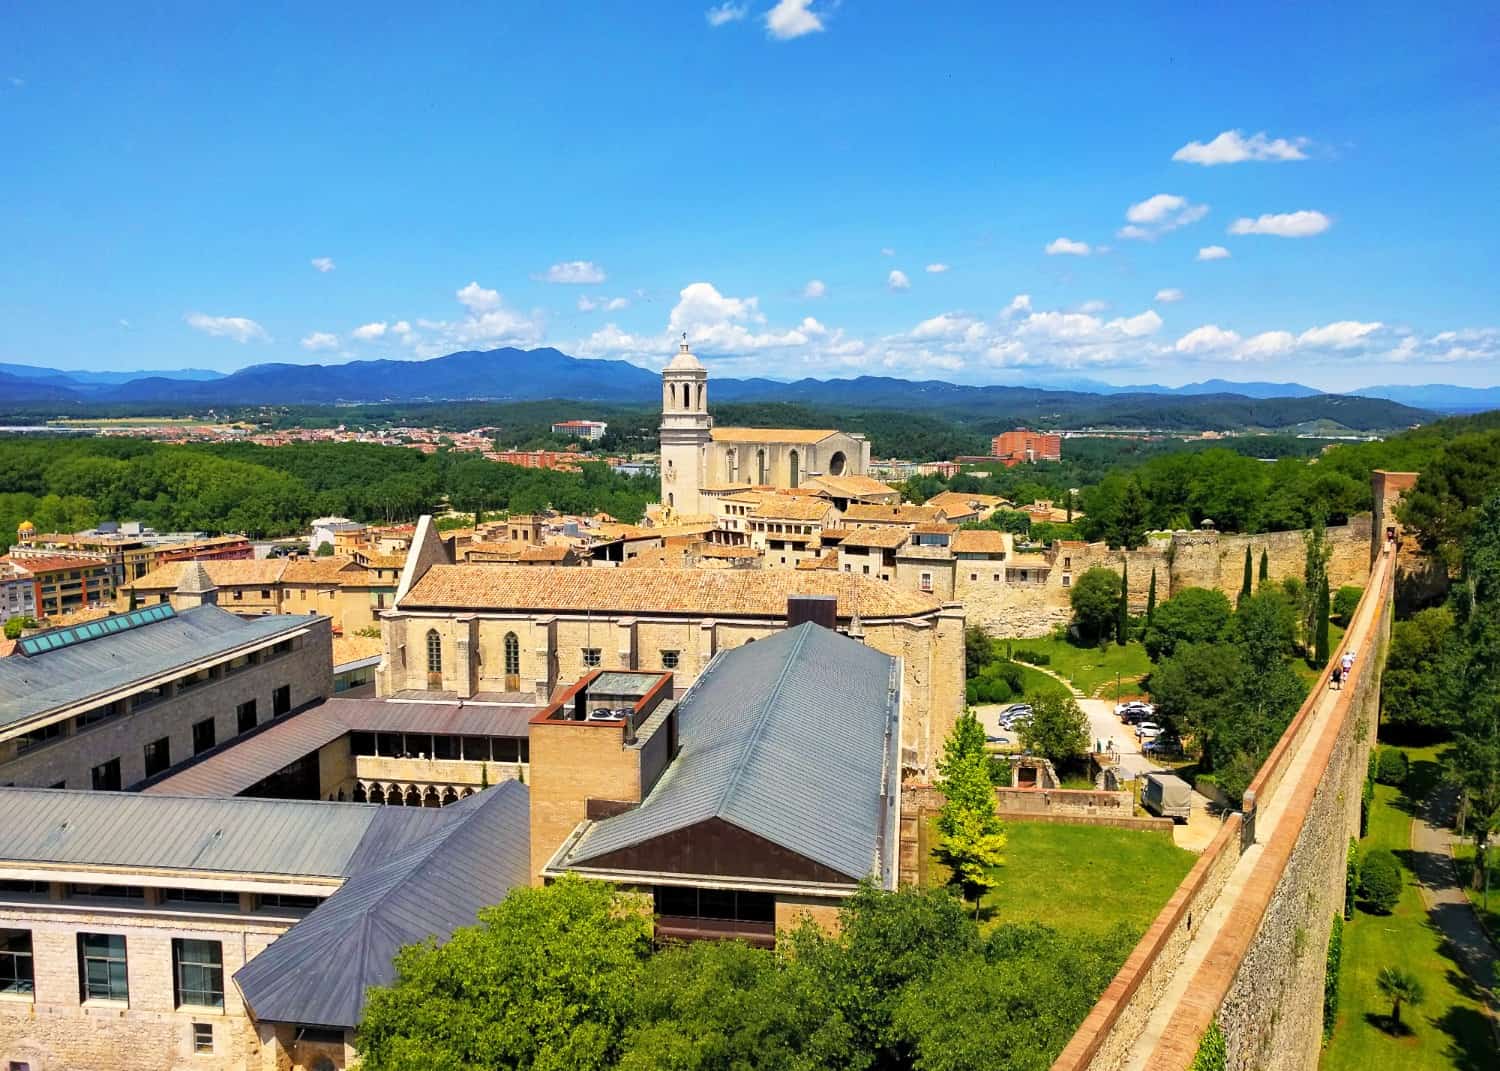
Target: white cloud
<point x="477" y="299"/>
<point x="320" y="340"/>
<point x="401" y="328"/>
<point x="1167" y="295"/>
<point x="573" y="272"/>
<point x="1159" y="214"/>
<point x="887" y="251"/>
<point x="1232" y="147"/>
<point x="608" y="304"/>
<point x="1145" y="323"/>
<point x="897" y="280"/>
<point x="1266" y="344"/>
<point x="1302" y="224"/>
<point x="371" y="331"/>
<point x="726" y="12"/>
<point x="1213" y="252"/>
<point x="792" y="18"/>
<point x="1341" y="335"/>
<point x="323" y="264"/>
<point x="701" y="304"/>
<point x="124" y="323"/>
<point x="1018" y="304"/>
<point x="937" y="269"/>
<point x="1067" y="247"/>
<point x="815" y="288"/>
<point x="1205" y="338"/>
<point x="1093" y="305"/>
<point x="238" y="328"/>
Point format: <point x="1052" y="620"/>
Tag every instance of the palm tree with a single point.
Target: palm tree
<point x="1402" y="987"/>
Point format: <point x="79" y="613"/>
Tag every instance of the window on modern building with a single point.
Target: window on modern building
<point x="38" y="737"/>
<point x="203" y="1037"/>
<point x="591" y="657"/>
<point x="281" y="701"/>
<point x="287" y="902"/>
<point x="715" y="904"/>
<point x="200" y="896"/>
<point x="101" y="967"/>
<point x="244" y="716"/>
<point x="198" y="973"/>
<point x="106" y="776"/>
<point x="203" y="735"/>
<point x="158" y="755"/>
<point x="13" y="887"/>
<point x="670" y="659"/>
<point x="16" y="972"/>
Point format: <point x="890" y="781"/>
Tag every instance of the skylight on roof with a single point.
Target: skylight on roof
<point x="58" y="638"/>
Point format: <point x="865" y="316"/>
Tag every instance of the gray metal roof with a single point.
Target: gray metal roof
<point x="317" y="972"/>
<point x="38" y="683"/>
<point x="239" y="836"/>
<point x="787" y="738"/>
<point x="245" y="762"/>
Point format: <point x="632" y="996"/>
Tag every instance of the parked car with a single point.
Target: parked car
<point x="1016" y="708"/>
<point x="1135" y="711"/>
<point x="1147" y="730"/>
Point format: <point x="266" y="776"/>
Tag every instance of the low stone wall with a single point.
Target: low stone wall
<point x="1055" y="802"/>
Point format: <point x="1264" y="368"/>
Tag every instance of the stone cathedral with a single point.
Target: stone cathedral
<point x="700" y="460"/>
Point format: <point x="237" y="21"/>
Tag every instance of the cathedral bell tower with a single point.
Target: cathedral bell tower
<point x="685" y="431"/>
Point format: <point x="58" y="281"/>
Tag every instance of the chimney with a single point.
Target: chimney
<point x="819" y="609"/>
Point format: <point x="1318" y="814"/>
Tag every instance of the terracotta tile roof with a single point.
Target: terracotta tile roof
<point x="352" y="648"/>
<point x="834" y="534"/>
<point x="888" y="537"/>
<point x="545" y="554"/>
<point x="851" y="486"/>
<point x="827" y="561"/>
<point x="787" y="508"/>
<point x="955" y="502"/>
<point x="56" y="563"/>
<point x="863" y="513"/>
<point x="771" y="435"/>
<point x="320" y="571"/>
<point x="243" y="573"/>
<point x="705" y="593"/>
<point x="713" y="550"/>
<point x="979" y="541"/>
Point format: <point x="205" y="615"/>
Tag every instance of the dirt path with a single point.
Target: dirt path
<point x="1449" y="908"/>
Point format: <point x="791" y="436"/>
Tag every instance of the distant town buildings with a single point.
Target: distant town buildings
<point x="583" y="429"/>
<point x="1021" y="445"/>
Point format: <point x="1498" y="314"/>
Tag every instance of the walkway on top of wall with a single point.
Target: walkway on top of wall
<point x="1200" y="983"/>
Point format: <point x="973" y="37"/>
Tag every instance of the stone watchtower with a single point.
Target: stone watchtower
<point x="685" y="430"/>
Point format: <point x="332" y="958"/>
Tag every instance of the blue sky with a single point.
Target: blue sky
<point x="805" y="189"/>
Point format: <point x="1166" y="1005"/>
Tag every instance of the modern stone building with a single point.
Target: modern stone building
<point x="112" y="702"/>
<point x="141" y="932"/>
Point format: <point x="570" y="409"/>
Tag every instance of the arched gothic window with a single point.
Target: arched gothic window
<point x="512" y="655"/>
<point x="794" y="469"/>
<point x="760" y="466"/>
<point x="434" y="652"/>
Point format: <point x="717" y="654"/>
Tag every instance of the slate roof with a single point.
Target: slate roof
<point x="127" y="829"/>
<point x="790" y="738"/>
<point x="50" y="680"/>
<point x="235" y="768"/>
<point x="708" y="593"/>
<point x="317" y="972"/>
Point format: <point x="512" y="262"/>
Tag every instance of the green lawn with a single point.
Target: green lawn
<point x="1448" y="1030"/>
<point x="1034" y="680"/>
<point x="1088" y="667"/>
<point x="1083" y="877"/>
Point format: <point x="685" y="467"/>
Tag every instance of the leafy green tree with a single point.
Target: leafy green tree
<point x="325" y="549"/>
<point x="1151" y="597"/>
<point x="1314" y="577"/>
<point x="1095" y="600"/>
<point x="1345" y="601"/>
<point x="1265" y="626"/>
<point x="546" y="981"/>
<point x="971" y="840"/>
<point x="979" y="651"/>
<point x="1413" y="690"/>
<point x="1399" y="986"/>
<point x="1122" y="621"/>
<point x="1057" y="730"/>
<point x="1391" y="766"/>
<point x="1192" y="615"/>
<point x="1245" y="584"/>
<point x="14" y="626"/>
<point x="1320" y="629"/>
<point x="1380" y="880"/>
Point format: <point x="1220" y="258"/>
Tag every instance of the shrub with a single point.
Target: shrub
<point x="1351" y="878"/>
<point x="1331" y="976"/>
<point x="1033" y="658"/>
<point x="1392" y="767"/>
<point x="1213" y="1054"/>
<point x="1345" y="600"/>
<point x="1380" y="880"/>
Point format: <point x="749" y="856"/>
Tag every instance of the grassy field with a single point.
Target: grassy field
<point x="1081" y="877"/>
<point x="1034" y="680"/>
<point x="1448" y="1030"/>
<point x="1088" y="667"/>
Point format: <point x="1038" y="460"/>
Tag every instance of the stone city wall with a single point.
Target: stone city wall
<point x="1181" y="560"/>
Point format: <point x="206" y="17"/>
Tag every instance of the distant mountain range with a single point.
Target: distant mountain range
<point x="528" y="375"/>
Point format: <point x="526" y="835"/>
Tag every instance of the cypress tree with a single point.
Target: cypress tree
<point x="1320" y="647"/>
<point x="1122" y="627"/>
<point x="1151" y="596"/>
<point x="1245" y="582"/>
<point x="1265" y="566"/>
